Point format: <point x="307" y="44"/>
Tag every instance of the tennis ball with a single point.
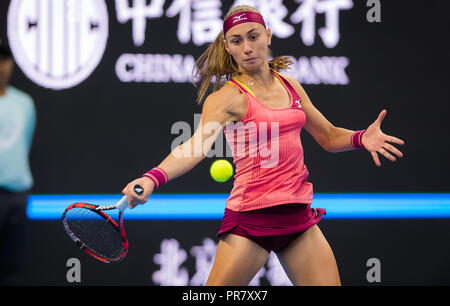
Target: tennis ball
<point x="221" y="170"/>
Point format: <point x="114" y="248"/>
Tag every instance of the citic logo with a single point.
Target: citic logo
<point x="58" y="43"/>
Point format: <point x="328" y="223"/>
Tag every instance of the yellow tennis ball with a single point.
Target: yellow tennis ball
<point x="221" y="170"/>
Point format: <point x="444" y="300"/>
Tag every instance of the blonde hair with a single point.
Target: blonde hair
<point x="216" y="63"/>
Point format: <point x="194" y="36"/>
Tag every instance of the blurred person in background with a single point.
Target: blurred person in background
<point x="17" y="124"/>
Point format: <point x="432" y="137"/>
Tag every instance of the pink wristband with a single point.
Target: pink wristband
<point x="158" y="176"/>
<point x="356" y="139"/>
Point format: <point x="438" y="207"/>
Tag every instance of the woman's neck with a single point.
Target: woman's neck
<point x="263" y="77"/>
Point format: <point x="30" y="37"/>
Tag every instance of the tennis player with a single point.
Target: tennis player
<point x="269" y="208"/>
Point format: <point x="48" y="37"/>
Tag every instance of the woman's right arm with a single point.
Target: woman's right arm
<point x="219" y="108"/>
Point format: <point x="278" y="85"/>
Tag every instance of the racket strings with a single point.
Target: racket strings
<point x="95" y="232"/>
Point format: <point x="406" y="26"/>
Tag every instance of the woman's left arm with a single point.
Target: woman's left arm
<point x="336" y="139"/>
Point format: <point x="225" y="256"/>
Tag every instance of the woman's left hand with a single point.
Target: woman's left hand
<point x="375" y="141"/>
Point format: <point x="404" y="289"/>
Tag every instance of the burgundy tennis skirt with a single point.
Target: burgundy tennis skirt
<point x="272" y="228"/>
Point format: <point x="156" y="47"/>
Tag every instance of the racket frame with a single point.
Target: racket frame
<point x="100" y="211"/>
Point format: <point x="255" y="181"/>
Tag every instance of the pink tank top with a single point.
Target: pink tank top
<point x="268" y="154"/>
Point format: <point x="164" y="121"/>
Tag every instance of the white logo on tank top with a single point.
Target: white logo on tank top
<point x="297" y="103"/>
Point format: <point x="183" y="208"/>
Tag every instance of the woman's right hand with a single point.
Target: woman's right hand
<point x="134" y="199"/>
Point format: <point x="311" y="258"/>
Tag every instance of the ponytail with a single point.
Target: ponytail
<point x="215" y="63"/>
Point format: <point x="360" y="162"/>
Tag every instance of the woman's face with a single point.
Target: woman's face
<point x="248" y="44"/>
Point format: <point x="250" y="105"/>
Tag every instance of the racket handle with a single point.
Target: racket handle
<point x="123" y="203"/>
<point x="138" y="189"/>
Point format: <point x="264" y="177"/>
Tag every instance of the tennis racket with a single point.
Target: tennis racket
<point x="95" y="231"/>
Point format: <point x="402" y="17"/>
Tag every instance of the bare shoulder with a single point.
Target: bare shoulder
<point x="227" y="96"/>
<point x="291" y="80"/>
<point x="297" y="86"/>
<point x="227" y="99"/>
